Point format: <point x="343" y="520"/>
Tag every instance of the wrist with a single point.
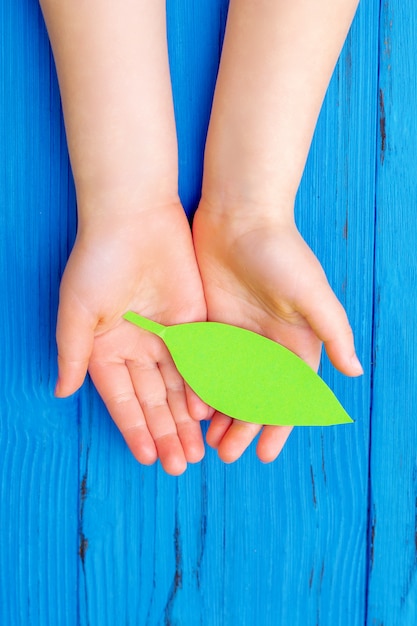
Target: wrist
<point x="118" y="201"/>
<point x="241" y="201"/>
<point x="230" y="217"/>
<point x="249" y="180"/>
<point x="128" y="217"/>
<point x="133" y="182"/>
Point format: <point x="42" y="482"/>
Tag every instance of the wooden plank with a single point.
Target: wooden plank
<point x="195" y="37"/>
<point x="38" y="435"/>
<point x="142" y="531"/>
<point x="313" y="545"/>
<point x="250" y="544"/>
<point x="393" y="560"/>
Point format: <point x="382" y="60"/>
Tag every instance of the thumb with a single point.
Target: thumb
<point x="329" y="321"/>
<point x="75" y="337"/>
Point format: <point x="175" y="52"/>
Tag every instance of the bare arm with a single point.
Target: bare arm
<point x="112" y="64"/>
<point x="257" y="271"/>
<point x="276" y="64"/>
<point x="133" y="236"/>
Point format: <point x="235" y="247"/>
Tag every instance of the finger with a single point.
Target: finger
<point x="328" y="319"/>
<point x="189" y="431"/>
<point x="219" y="425"/>
<point x="235" y="439"/>
<point x="75" y="337"/>
<point x="271" y="442"/>
<point x="114" y="384"/>
<point x="151" y="391"/>
<point x="197" y="408"/>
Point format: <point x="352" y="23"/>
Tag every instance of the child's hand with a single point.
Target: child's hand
<point x="148" y="265"/>
<point x="134" y="246"/>
<point x="259" y="274"/>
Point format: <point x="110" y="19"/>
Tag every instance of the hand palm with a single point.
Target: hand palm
<point x="266" y="279"/>
<point x="149" y="267"/>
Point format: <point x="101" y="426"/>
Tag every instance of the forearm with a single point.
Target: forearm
<point x="113" y="71"/>
<point x="276" y="64"/>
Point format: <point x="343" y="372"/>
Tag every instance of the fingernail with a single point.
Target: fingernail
<point x="356" y="365"/>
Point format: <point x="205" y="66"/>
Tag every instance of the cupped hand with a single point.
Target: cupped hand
<point x="258" y="273"/>
<point x="143" y="263"/>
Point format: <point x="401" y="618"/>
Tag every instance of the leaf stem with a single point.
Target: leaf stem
<point x="144" y="323"/>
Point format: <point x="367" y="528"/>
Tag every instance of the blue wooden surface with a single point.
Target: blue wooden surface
<point x="326" y="534"/>
<point x="393" y="458"/>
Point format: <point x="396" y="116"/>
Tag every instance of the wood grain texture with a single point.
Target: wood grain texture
<point x="393" y="556"/>
<point x="323" y="536"/>
<point x="145" y="531"/>
<point x="195" y="37"/>
<point x="38" y="435"/>
<point x="246" y="544"/>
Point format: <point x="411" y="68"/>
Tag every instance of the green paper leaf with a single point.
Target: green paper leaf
<point x="246" y="375"/>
